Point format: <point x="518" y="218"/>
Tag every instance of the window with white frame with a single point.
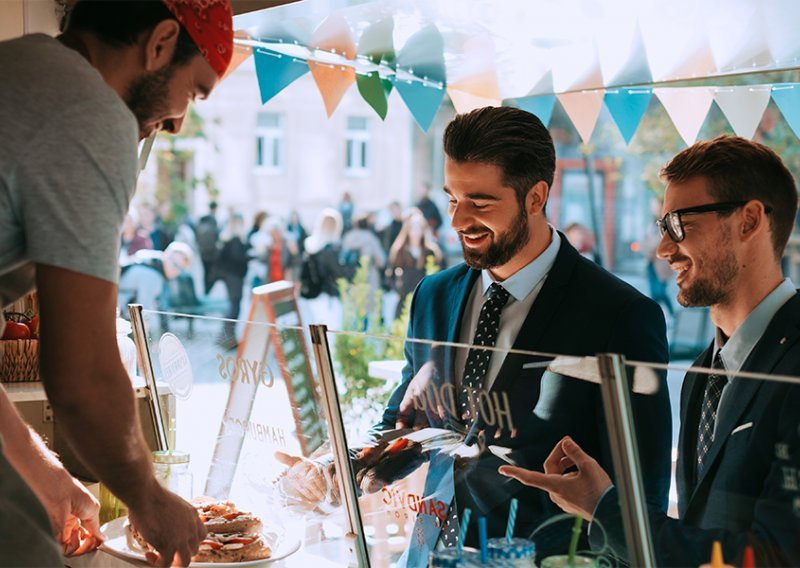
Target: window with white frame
<point x="269" y="142"/>
<point x="357" y="146"/>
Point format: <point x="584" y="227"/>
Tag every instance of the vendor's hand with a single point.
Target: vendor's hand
<point x="74" y="513"/>
<point x="576" y="492"/>
<point x="169" y="524"/>
<point x="415" y="405"/>
<point x="308" y="482"/>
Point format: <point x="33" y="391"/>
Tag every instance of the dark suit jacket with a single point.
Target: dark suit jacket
<point x="580" y="310"/>
<point x="748" y="491"/>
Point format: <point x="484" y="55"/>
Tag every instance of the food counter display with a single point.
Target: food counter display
<point x="342" y="469"/>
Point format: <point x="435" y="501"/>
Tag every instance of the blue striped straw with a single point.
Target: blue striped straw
<point x="512" y="519"/>
<point x="483" y="539"/>
<point x="462" y="533"/>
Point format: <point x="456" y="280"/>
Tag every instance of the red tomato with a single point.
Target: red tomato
<point x="397" y="446"/>
<point x="16" y="330"/>
<point x="34" y="325"/>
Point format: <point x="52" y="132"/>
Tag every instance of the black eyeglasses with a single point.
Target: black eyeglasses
<point x="671" y="222"/>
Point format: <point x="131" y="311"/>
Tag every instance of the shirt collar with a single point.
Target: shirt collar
<point x="524" y="280"/>
<point x="737" y="348"/>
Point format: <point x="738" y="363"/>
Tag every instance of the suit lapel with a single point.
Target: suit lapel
<point x="780" y="334"/>
<point x="691" y="400"/>
<point x="545" y="306"/>
<point x="462" y="286"/>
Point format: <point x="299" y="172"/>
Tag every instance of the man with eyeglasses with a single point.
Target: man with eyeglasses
<point x="730" y="206"/>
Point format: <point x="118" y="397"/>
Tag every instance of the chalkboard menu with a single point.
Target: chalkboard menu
<point x="293" y="357"/>
<point x="280" y="343"/>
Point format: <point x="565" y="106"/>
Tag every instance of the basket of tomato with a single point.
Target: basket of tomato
<point x="19" y="348"/>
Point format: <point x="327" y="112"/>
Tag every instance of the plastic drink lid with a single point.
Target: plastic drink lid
<point x="165" y="456"/>
<point x="515" y="548"/>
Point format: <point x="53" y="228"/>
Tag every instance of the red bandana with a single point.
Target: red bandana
<point x="210" y="25"/>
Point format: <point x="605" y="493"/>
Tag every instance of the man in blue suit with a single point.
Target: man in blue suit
<point x="729" y="209"/>
<point x="499" y="170"/>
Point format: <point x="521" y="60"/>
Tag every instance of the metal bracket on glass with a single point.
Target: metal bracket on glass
<point x="146" y="366"/>
<point x="344" y="467"/>
<point x="621" y="432"/>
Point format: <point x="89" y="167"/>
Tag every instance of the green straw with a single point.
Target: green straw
<point x="573" y="543"/>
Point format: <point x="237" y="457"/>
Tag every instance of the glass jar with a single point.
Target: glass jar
<point x="172" y="471"/>
<point x="127" y="349"/>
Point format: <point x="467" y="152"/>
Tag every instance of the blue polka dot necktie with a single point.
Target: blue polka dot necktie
<point x="472" y="382"/>
<point x="708" y="412"/>
<point x="478" y="359"/>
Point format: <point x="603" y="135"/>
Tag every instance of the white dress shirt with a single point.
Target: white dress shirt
<point x="523" y="286"/>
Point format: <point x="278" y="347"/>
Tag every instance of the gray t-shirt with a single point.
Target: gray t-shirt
<point x="67" y="164"/>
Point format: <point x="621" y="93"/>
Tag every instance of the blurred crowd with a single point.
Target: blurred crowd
<point x="181" y="269"/>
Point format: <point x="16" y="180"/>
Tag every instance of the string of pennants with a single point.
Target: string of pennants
<point x="418" y="74"/>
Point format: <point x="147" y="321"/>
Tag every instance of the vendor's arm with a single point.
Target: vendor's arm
<point x="71" y="508"/>
<point x="93" y="401"/>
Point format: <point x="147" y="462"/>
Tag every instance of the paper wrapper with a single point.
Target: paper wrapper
<point x="19" y="360"/>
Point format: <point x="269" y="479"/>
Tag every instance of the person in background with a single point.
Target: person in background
<point x="278" y="256"/>
<point x="232" y="267"/>
<point x="120" y="72"/>
<point x="729" y="209"/>
<point x="659" y="274"/>
<point x="258" y="220"/>
<point x="582" y="239"/>
<point x="206" y="233"/>
<point x="392" y="229"/>
<point x="295" y="238"/>
<point x="409" y="255"/>
<point x="321" y="269"/>
<point x="259" y="242"/>
<point x="145" y="280"/>
<point x="346" y="209"/>
<point x="360" y="242"/>
<point x="133" y="238"/>
<point x="429" y="209"/>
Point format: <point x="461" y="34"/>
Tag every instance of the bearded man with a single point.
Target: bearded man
<point x="498" y="172"/>
<point x="729" y="208"/>
<point x="73" y="109"/>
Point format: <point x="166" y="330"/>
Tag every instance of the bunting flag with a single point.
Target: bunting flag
<point x="542" y="106"/>
<point x="583" y="109"/>
<point x="627" y="107"/>
<point x="240" y="53"/>
<point x="743" y="107"/>
<point x="636" y="69"/>
<point x="275" y="71"/>
<point x="787" y="97"/>
<point x="464" y="102"/>
<point x="421" y="78"/>
<point x="676" y="42"/>
<point x="376" y="45"/>
<point x="578" y="67"/>
<point x="373" y="92"/>
<point x="332" y="35"/>
<point x="736" y="34"/>
<point x="544" y="86"/>
<point x="687" y="108"/>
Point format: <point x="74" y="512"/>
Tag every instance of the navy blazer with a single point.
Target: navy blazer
<point x="581" y="310"/>
<point x="748" y="491"/>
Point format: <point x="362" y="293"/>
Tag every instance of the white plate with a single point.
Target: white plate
<point x="117" y="544"/>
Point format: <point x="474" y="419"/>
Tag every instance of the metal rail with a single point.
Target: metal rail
<point x="625" y="454"/>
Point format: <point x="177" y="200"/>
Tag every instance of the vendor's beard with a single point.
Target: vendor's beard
<point x="503" y="247"/>
<point x="147" y="96"/>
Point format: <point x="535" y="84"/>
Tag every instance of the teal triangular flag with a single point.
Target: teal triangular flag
<point x="541" y="106"/>
<point x="276" y="71"/>
<point x="627" y="107"/>
<point x="421" y="99"/>
<point x="787" y="97"/>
